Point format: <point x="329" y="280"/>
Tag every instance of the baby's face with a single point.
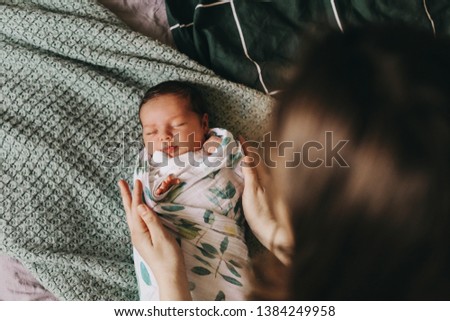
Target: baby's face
<point x="169" y="125"/>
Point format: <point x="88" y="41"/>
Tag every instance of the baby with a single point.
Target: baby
<point x="192" y="178"/>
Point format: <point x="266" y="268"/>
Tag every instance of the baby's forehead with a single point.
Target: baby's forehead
<point x="161" y="118"/>
<point x="166" y="106"/>
<point x="149" y="119"/>
<point x="180" y="102"/>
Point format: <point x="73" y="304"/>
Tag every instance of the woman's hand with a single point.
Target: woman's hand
<point x="259" y="208"/>
<point x="157" y="247"/>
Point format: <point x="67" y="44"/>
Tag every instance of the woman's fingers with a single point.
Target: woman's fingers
<point x="248" y="167"/>
<point x="131" y="200"/>
<point x="243" y="144"/>
<point x="147" y="217"/>
<point x="254" y="162"/>
<point x="263" y="173"/>
<point x="137" y="194"/>
<point x="125" y="193"/>
<point x="255" y="173"/>
<point x="152" y="221"/>
<point x="250" y="173"/>
<point x="156" y="246"/>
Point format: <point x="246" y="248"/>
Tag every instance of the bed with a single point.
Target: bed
<point x="71" y="76"/>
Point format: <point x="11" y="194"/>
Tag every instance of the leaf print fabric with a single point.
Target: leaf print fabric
<point x="204" y="212"/>
<point x="227" y="193"/>
<point x="144" y="274"/>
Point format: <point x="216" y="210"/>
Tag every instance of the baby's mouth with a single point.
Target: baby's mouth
<point x="170" y="150"/>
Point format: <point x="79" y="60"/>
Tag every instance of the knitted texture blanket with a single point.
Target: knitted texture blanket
<point x="71" y="77"/>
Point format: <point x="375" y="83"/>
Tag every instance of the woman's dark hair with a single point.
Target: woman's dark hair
<point x="377" y="229"/>
<point x="178" y="88"/>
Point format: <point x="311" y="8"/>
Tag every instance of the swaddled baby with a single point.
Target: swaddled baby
<point x="191" y="177"/>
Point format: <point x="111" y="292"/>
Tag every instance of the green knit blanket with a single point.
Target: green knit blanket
<point x="71" y="77"/>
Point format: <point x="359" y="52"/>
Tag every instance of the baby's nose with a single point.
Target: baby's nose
<point x="165" y="136"/>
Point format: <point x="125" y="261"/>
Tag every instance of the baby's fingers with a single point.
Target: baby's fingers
<point x="163" y="187"/>
<point x="167" y="183"/>
<point x="170" y="181"/>
<point x="175" y="181"/>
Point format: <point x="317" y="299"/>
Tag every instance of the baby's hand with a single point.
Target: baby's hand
<point x="211" y="144"/>
<point x="167" y="183"/>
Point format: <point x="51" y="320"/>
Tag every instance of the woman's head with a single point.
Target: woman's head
<point x="371" y="219"/>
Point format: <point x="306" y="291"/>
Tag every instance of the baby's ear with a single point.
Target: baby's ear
<point x="205" y="124"/>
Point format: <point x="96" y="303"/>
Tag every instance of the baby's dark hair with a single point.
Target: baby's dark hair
<point x="179" y="88"/>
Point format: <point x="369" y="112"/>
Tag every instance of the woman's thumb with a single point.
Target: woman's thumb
<point x="249" y="171"/>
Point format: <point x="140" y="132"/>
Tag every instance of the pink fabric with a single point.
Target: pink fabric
<point x="17" y="284"/>
<point x="145" y="16"/>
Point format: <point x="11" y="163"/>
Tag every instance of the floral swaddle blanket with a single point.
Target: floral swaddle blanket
<point x="204" y="214"/>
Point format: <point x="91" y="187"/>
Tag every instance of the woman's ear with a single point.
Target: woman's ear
<point x="205" y="125"/>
